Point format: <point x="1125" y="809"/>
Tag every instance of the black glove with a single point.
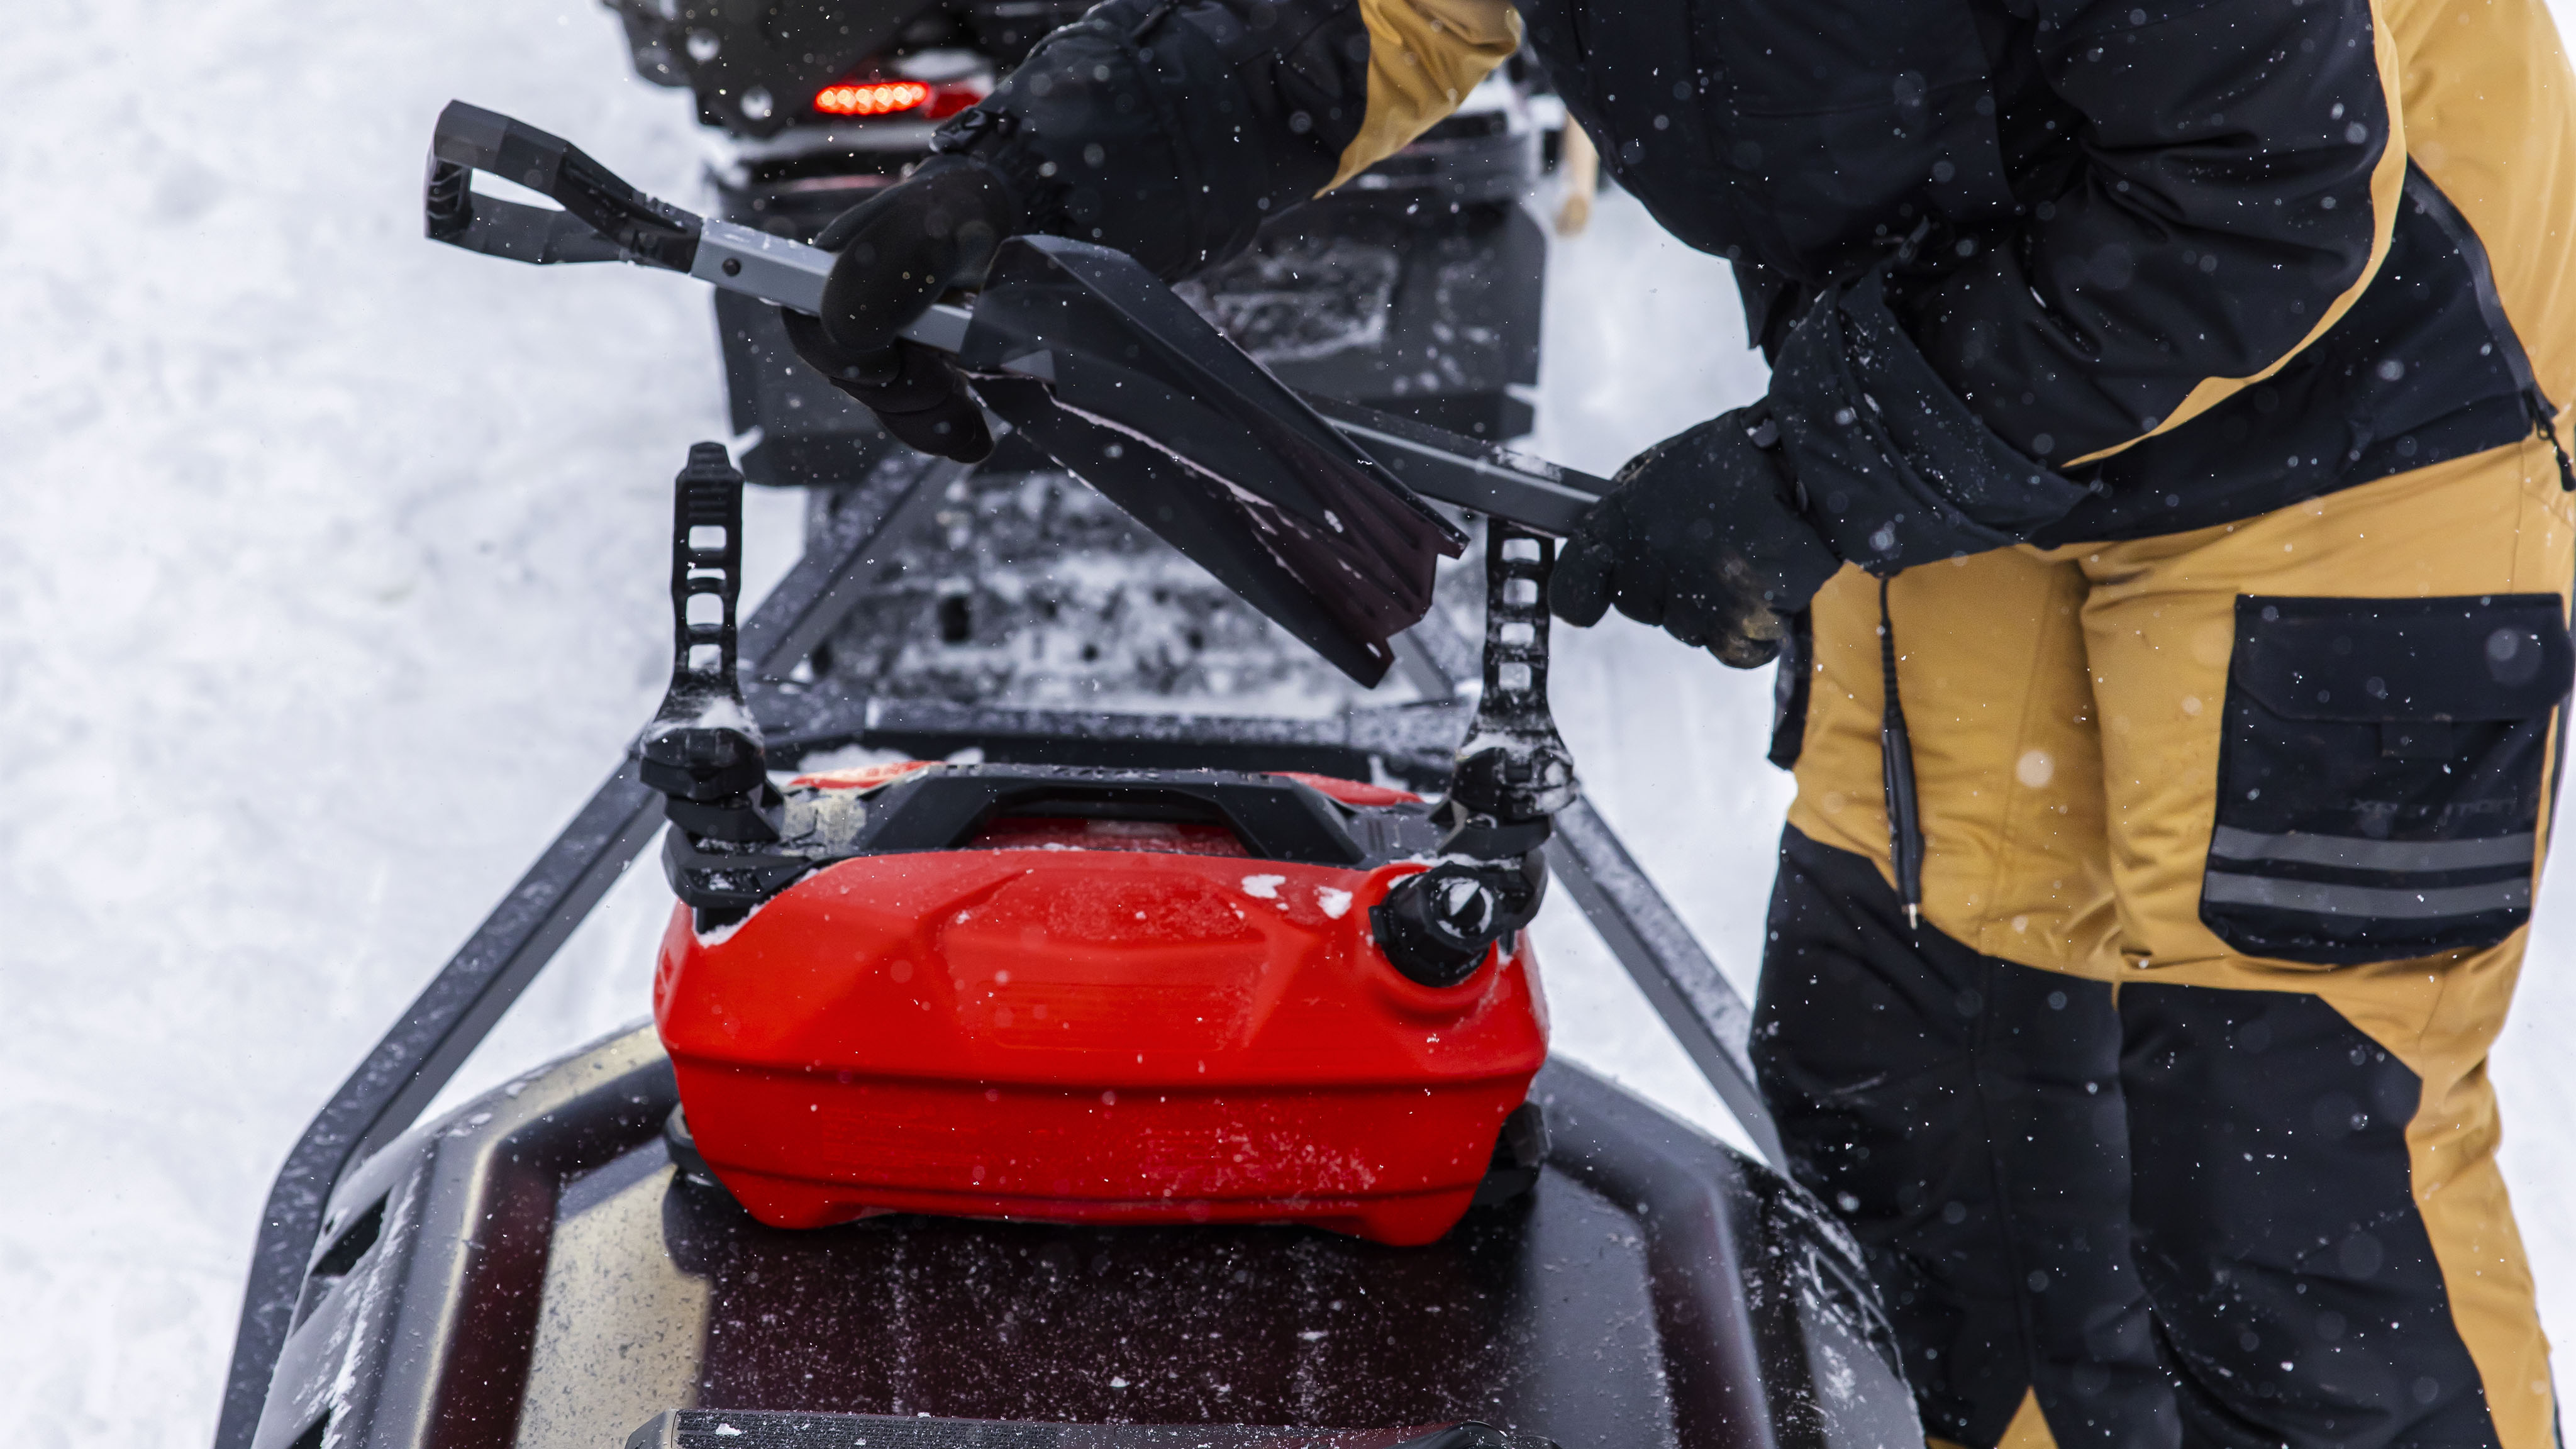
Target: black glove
<point x="899" y="250"/>
<point x="1701" y="534"/>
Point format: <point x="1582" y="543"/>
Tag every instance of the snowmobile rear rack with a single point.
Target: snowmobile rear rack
<point x="737" y="842"/>
<point x="1311" y="510"/>
<point x="295" y="1259"/>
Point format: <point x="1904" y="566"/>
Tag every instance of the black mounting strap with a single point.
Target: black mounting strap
<point x="1512" y="776"/>
<point x="706" y="563"/>
<point x="1514" y="766"/>
<point x="703" y="749"/>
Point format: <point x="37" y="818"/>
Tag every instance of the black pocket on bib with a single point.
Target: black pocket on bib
<point x="2380" y="784"/>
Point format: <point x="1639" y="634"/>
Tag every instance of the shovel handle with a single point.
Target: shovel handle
<point x="606" y="219"/>
<point x="603" y="218"/>
<point x="1465" y="473"/>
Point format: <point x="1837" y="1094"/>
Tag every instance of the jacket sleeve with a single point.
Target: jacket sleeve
<point x="1170" y="129"/>
<point x="2239" y="171"/>
<point x="2234" y="183"/>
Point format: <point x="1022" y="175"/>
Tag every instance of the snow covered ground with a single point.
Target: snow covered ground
<point x="336" y="583"/>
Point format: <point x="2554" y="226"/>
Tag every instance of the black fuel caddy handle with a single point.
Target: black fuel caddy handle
<point x="605" y="219"/>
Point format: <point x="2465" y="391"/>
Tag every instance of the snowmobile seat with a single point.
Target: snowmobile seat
<point x="530" y="1270"/>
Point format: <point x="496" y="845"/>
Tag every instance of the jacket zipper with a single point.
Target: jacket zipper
<point x="1896" y="772"/>
<point x="2428" y="198"/>
<point x="2547" y="426"/>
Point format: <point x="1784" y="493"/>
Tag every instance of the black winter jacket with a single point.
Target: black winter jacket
<point x="2028" y="270"/>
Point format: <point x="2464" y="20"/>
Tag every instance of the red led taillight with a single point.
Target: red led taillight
<point x="871" y="98"/>
<point x="946" y="101"/>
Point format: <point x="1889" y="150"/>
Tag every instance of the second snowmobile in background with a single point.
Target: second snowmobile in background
<point x="1415" y="289"/>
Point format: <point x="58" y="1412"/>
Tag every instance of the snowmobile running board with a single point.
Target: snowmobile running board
<point x="407" y="1069"/>
<point x="1311" y="510"/>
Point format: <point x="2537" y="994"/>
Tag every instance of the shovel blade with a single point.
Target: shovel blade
<point x="1095" y="361"/>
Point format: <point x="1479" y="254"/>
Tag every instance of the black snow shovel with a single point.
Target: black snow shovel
<point x="1311" y="510"/>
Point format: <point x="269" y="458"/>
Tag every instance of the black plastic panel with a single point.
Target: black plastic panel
<point x="942" y="809"/>
<point x="1180" y="1325"/>
<point x="723" y="1429"/>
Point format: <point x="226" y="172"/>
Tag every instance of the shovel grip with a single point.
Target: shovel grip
<point x="604" y="218"/>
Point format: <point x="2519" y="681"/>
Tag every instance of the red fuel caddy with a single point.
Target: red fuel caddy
<point x="1095" y="996"/>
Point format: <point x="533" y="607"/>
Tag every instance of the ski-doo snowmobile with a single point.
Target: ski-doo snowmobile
<point x="1415" y="289"/>
<point x="1060" y="1078"/>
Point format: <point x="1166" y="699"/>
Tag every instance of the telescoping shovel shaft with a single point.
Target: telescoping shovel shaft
<point x="606" y="219"/>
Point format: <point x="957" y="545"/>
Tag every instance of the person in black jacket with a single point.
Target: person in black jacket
<point x="2160" y="465"/>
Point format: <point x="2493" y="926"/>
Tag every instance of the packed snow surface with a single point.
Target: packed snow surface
<point x="337" y="582"/>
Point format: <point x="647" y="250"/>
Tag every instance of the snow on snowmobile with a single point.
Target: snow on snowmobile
<point x="1053" y="1077"/>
